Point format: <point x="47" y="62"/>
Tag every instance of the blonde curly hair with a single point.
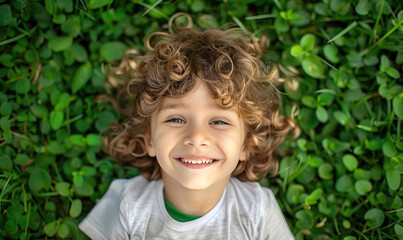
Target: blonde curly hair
<point x="227" y="62"/>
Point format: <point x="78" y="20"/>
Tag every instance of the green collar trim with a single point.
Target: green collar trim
<point x="178" y="215"/>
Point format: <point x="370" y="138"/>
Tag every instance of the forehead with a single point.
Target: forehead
<point x="198" y="98"/>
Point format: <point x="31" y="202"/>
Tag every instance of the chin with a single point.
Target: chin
<point x="196" y="185"/>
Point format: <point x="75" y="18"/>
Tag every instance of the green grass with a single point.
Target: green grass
<point x="341" y="178"/>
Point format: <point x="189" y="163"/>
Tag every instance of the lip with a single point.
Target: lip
<point x="195" y="158"/>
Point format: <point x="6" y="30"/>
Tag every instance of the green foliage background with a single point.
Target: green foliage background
<point x="343" y="59"/>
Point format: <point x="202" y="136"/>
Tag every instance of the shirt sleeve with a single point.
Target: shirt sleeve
<point x="103" y="222"/>
<point x="272" y="225"/>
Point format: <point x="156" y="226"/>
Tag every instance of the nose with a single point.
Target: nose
<point x="197" y="136"/>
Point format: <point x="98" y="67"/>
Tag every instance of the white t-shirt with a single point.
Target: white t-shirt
<point x="134" y="209"/>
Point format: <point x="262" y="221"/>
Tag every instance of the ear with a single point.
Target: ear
<point x="149" y="145"/>
<point x="244" y="153"/>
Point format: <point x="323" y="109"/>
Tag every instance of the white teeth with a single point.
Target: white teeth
<point x="196" y="161"/>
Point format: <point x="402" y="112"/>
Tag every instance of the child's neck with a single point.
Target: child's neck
<point x="190" y="201"/>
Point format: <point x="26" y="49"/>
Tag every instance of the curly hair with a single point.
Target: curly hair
<point x="228" y="63"/>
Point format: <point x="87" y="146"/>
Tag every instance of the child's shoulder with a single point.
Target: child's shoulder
<point x="249" y="191"/>
<point x="251" y="187"/>
<point x="138" y="182"/>
<point x="260" y="206"/>
<point x="121" y="185"/>
<point x="132" y="189"/>
<point x="135" y="187"/>
<point x="104" y="220"/>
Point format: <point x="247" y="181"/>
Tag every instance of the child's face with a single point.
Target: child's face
<point x="197" y="143"/>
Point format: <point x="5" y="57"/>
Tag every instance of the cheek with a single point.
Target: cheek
<point x="236" y="145"/>
<point x="163" y="141"/>
<point x="231" y="143"/>
<point x="235" y="136"/>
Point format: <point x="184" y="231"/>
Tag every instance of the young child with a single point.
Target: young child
<point x="204" y="124"/>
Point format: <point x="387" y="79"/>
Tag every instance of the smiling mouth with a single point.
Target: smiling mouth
<point x="196" y="163"/>
<point x="192" y="161"/>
